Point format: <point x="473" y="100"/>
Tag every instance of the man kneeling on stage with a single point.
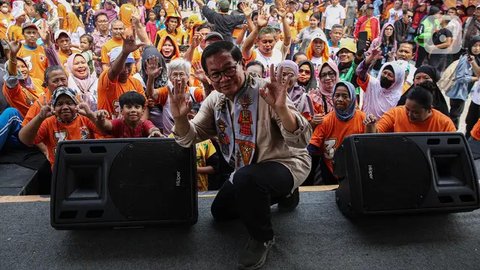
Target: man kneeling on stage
<point x="262" y="135"/>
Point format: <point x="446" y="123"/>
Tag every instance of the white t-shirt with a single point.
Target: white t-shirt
<point x="395" y="13"/>
<point x="333" y="15"/>
<point x="275" y="59"/>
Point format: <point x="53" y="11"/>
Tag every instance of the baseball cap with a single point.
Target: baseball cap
<point x="348" y="44"/>
<point x="29" y="25"/>
<point x="478" y="6"/>
<point x="59" y="32"/>
<point x="115" y="52"/>
<point x="213" y="35"/>
<point x="63" y="90"/>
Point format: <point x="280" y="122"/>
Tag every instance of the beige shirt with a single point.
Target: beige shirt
<point x="274" y="142"/>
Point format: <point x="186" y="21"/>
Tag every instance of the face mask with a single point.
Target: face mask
<point x="385" y="83"/>
<point x="4" y="9"/>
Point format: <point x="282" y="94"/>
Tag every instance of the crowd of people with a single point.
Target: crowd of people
<point x="265" y="91"/>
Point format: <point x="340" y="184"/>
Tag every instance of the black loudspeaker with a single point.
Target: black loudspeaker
<point x="405" y="173"/>
<point x="123" y="182"/>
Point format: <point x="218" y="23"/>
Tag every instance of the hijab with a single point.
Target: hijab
<point x="312" y="82"/>
<point x="148" y="53"/>
<point x="347" y="114"/>
<point x="378" y="100"/>
<point x="86" y="86"/>
<point x="327" y="94"/>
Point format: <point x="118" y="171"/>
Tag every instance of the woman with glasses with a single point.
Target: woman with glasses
<point x="306" y="76"/>
<point x="322" y="97"/>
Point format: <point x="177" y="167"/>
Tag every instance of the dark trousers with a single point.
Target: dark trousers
<point x="255" y="188"/>
<point x="421" y="55"/>
<point x="456" y="110"/>
<point x="472" y="118"/>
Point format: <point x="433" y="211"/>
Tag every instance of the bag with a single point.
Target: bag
<point x="447" y="79"/>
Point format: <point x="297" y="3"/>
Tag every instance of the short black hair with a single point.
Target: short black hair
<point x="413" y="44"/>
<point x="49" y="70"/>
<point x="95" y="18"/>
<point x="296" y="55"/>
<point x="204" y="26"/>
<point x="422" y="96"/>
<point x="256" y="63"/>
<point x="218" y="47"/>
<point x="131" y="98"/>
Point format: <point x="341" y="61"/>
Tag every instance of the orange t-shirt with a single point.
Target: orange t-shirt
<point x="110" y="45"/>
<point x="149" y="4"/>
<point x="475" y="132"/>
<point x="5" y="20"/>
<point x="396" y="120"/>
<point x="109" y="92"/>
<point x="329" y="135"/>
<point x="22" y="98"/>
<point x="198" y="95"/>
<point x="180" y="36"/>
<point x="36" y="107"/>
<point x="14" y="32"/>
<point x="126" y="11"/>
<point x="36" y="60"/>
<point x="52" y="131"/>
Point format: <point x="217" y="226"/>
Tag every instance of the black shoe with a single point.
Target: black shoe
<point x="289" y="202"/>
<point x="254" y="254"/>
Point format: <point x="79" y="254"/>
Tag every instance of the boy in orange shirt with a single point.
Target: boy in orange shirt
<point x="117" y="80"/>
<point x="33" y="55"/>
<point x="63" y="120"/>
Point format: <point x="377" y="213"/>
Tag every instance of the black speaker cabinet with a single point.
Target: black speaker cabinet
<point x="405" y="173"/>
<point x="123" y="182"/>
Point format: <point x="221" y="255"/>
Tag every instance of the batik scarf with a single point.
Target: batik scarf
<point x="237" y="139"/>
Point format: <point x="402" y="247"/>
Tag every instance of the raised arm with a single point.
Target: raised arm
<point x="362" y="69"/>
<point x="282" y="11"/>
<point x="129" y="45"/>
<point x="247" y="47"/>
<point x="153" y="70"/>
<point x="28" y="133"/>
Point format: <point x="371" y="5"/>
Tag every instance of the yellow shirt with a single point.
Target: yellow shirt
<point x="5" y="20"/>
<point x="302" y="19"/>
<point x="205" y="150"/>
<point x="14" y="32"/>
<point x="62" y="14"/>
<point x="170" y="6"/>
<point x="180" y="36"/>
<point x="125" y="15"/>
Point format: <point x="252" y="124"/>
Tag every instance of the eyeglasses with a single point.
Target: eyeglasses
<point x="330" y="74"/>
<point x="228" y="72"/>
<point x="306" y="71"/>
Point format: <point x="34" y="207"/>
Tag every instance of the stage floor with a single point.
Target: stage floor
<point x="314" y="236"/>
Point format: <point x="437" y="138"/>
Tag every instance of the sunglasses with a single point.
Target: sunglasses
<point x="306" y="71"/>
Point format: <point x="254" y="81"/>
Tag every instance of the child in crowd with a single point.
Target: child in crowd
<point x="65" y="119"/>
<point x="86" y="46"/>
<point x="131" y="124"/>
<point x="151" y="26"/>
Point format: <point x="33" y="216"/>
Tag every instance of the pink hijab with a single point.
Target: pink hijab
<point x="324" y="95"/>
<point x="85" y="86"/>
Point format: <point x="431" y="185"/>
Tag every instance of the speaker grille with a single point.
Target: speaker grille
<point x="150" y="193"/>
<point x="398" y="180"/>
